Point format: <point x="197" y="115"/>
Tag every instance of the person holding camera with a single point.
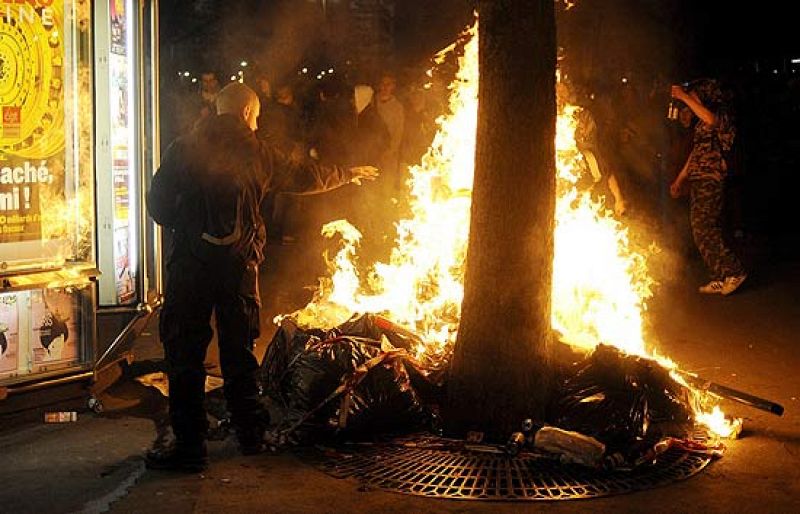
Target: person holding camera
<point x="704" y="172"/>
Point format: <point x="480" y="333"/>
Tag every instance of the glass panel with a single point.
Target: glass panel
<point x="46" y="171"/>
<point x="9" y="334"/>
<point x="56" y="329"/>
<point x="117" y="167"/>
<point x="44" y="330"/>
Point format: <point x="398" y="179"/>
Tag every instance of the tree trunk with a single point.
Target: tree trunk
<point x="501" y="365"/>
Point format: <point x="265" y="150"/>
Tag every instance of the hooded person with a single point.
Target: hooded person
<point x="207" y="192"/>
<point x="392" y="113"/>
<point x="705" y="171"/>
<point x="709" y="91"/>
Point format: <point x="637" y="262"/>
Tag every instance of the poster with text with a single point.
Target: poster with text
<point x="55" y="337"/>
<point x="9" y="334"/>
<point x="32" y="122"/>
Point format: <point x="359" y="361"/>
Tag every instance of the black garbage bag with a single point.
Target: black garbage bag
<point x="428" y="382"/>
<point x="621" y="400"/>
<point x="290" y="340"/>
<point x="286" y="345"/>
<point x="347" y="386"/>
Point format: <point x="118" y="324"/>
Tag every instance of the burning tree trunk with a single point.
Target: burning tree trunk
<point x="501" y="363"/>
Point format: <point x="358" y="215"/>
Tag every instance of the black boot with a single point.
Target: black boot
<point x="182" y="457"/>
<point x="251" y="434"/>
<point x="251" y="441"/>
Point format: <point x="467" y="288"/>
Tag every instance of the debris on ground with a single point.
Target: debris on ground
<point x="350" y="381"/>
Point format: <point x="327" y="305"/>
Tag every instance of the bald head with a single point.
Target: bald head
<point x="241" y="101"/>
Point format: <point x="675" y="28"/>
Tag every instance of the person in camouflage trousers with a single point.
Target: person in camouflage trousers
<point x="705" y="172"/>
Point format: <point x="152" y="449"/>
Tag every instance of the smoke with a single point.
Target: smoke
<point x="621" y="56"/>
<point x="282" y="34"/>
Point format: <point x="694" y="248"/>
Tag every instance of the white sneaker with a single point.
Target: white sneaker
<point x="731" y="284"/>
<point x="713" y="287"/>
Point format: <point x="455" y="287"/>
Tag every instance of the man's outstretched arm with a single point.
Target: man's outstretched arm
<point x="291" y="176"/>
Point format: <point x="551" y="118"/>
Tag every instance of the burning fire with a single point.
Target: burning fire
<point x="596" y="298"/>
<point x="421" y="287"/>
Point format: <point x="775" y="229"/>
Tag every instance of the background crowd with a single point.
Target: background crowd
<point x="634" y="143"/>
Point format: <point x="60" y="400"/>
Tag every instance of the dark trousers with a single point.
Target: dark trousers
<point x="194" y="290"/>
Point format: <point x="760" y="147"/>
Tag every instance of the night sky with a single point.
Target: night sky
<point x="603" y="40"/>
<point x="745" y="29"/>
<point x="705" y="35"/>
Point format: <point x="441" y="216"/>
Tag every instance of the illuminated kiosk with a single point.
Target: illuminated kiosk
<point x="78" y="274"/>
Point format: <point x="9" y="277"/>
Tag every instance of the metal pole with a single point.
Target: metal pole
<point x="733" y="394"/>
<point x="746" y="398"/>
<point x="155" y="130"/>
<point x="48" y="383"/>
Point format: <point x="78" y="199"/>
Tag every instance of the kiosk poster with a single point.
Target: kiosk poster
<point x="55" y="335"/>
<point x="31" y="118"/>
<point x="9" y="334"/>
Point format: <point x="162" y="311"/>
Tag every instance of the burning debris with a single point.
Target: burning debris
<point x="618" y="407"/>
<point x="358" y="382"/>
<point x="622" y="399"/>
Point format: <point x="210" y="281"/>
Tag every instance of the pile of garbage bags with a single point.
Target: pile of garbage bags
<point x="360" y="381"/>
<point x="617" y="411"/>
<point x="621" y="400"/>
<point x="355" y="381"/>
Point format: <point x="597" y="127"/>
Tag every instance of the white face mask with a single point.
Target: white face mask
<point x="362" y="96"/>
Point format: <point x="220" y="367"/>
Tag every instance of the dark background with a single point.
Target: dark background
<point x="748" y="45"/>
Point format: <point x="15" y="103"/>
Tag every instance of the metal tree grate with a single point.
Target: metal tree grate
<point x="414" y="466"/>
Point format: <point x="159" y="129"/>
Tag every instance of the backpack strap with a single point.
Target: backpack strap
<point x="231" y="238"/>
<point x="225" y="241"/>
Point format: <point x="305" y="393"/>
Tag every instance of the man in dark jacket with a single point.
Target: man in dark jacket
<point x="208" y="191"/>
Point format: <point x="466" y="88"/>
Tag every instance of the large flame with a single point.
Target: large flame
<point x="598" y="296"/>
<point x="421" y="287"/>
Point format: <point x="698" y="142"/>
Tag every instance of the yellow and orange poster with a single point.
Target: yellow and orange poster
<point x="32" y="120"/>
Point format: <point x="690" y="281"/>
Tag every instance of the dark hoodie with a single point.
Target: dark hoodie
<point x="210" y="185"/>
